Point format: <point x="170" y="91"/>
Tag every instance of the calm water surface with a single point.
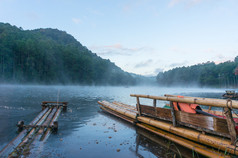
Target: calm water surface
<point x="85" y="131"/>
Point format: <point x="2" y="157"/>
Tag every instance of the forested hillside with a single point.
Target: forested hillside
<point x="206" y="74"/>
<point x="50" y="56"/>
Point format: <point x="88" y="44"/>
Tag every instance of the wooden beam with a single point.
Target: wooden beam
<point x="154" y="104"/>
<point x="45" y="102"/>
<point x="138" y="106"/>
<point x="173" y="114"/>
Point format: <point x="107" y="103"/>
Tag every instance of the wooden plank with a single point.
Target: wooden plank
<point x="147" y="110"/>
<point x="195" y="119"/>
<point x="161" y="113"/>
<point x="199" y="122"/>
<point x="220" y="125"/>
<point x="164" y="114"/>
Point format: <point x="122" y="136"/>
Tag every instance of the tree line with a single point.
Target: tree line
<point x="51" y="56"/>
<point x="205" y="74"/>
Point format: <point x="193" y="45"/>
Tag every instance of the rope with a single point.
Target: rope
<point x="229" y="100"/>
<point x="235" y="145"/>
<point x="136" y="120"/>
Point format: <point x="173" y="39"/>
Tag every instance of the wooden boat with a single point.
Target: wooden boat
<point x="213" y="135"/>
<point x="230" y="94"/>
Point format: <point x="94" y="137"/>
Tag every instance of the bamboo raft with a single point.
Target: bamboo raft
<point x="38" y="130"/>
<point x="207" y="135"/>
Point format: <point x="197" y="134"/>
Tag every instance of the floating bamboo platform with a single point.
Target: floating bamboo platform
<point x="210" y="136"/>
<point x="38" y="130"/>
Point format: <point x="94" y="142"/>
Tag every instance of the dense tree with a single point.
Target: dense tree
<point x="206" y="74"/>
<point x="50" y="56"/>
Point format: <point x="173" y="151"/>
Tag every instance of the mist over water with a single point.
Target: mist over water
<point x="83" y="128"/>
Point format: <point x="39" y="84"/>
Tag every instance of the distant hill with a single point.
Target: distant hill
<point x="51" y="56"/>
<point x="205" y="74"/>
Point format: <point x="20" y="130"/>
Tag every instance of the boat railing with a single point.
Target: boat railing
<point x="224" y="126"/>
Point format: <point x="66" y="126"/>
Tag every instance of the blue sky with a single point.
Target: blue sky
<point x="140" y="36"/>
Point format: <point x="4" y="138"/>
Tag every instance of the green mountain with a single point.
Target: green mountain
<point x="206" y="74"/>
<point x="51" y="56"/>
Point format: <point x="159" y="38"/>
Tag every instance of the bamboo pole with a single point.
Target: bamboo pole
<point x="118" y="105"/>
<point x="213" y="141"/>
<point x="41" y="137"/>
<point x="124" y="105"/>
<point x="192" y="100"/>
<point x="118" y="109"/>
<point x="128" y="119"/>
<point x="184" y="142"/>
<point x="160" y="140"/>
<point x="19" y="148"/>
<point x="170" y="95"/>
<point x="17" y="140"/>
<point x="55" y="118"/>
<point x="46" y="123"/>
<point x="209" y="110"/>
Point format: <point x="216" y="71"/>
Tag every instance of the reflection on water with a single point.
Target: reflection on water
<point x="83" y="130"/>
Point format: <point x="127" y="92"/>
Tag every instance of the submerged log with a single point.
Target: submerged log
<point x="28" y="138"/>
<point x="17" y="140"/>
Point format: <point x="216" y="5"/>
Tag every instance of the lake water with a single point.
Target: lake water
<point x="85" y="131"/>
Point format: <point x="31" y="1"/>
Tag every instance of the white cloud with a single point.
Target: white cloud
<point x="116" y="49"/>
<point x="174" y="2"/>
<point x="76" y="20"/>
<point x="188" y="3"/>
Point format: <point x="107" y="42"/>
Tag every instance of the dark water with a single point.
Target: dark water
<point x="85" y="131"/>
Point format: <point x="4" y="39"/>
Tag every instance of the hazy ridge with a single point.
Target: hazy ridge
<point x="51" y="56"/>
